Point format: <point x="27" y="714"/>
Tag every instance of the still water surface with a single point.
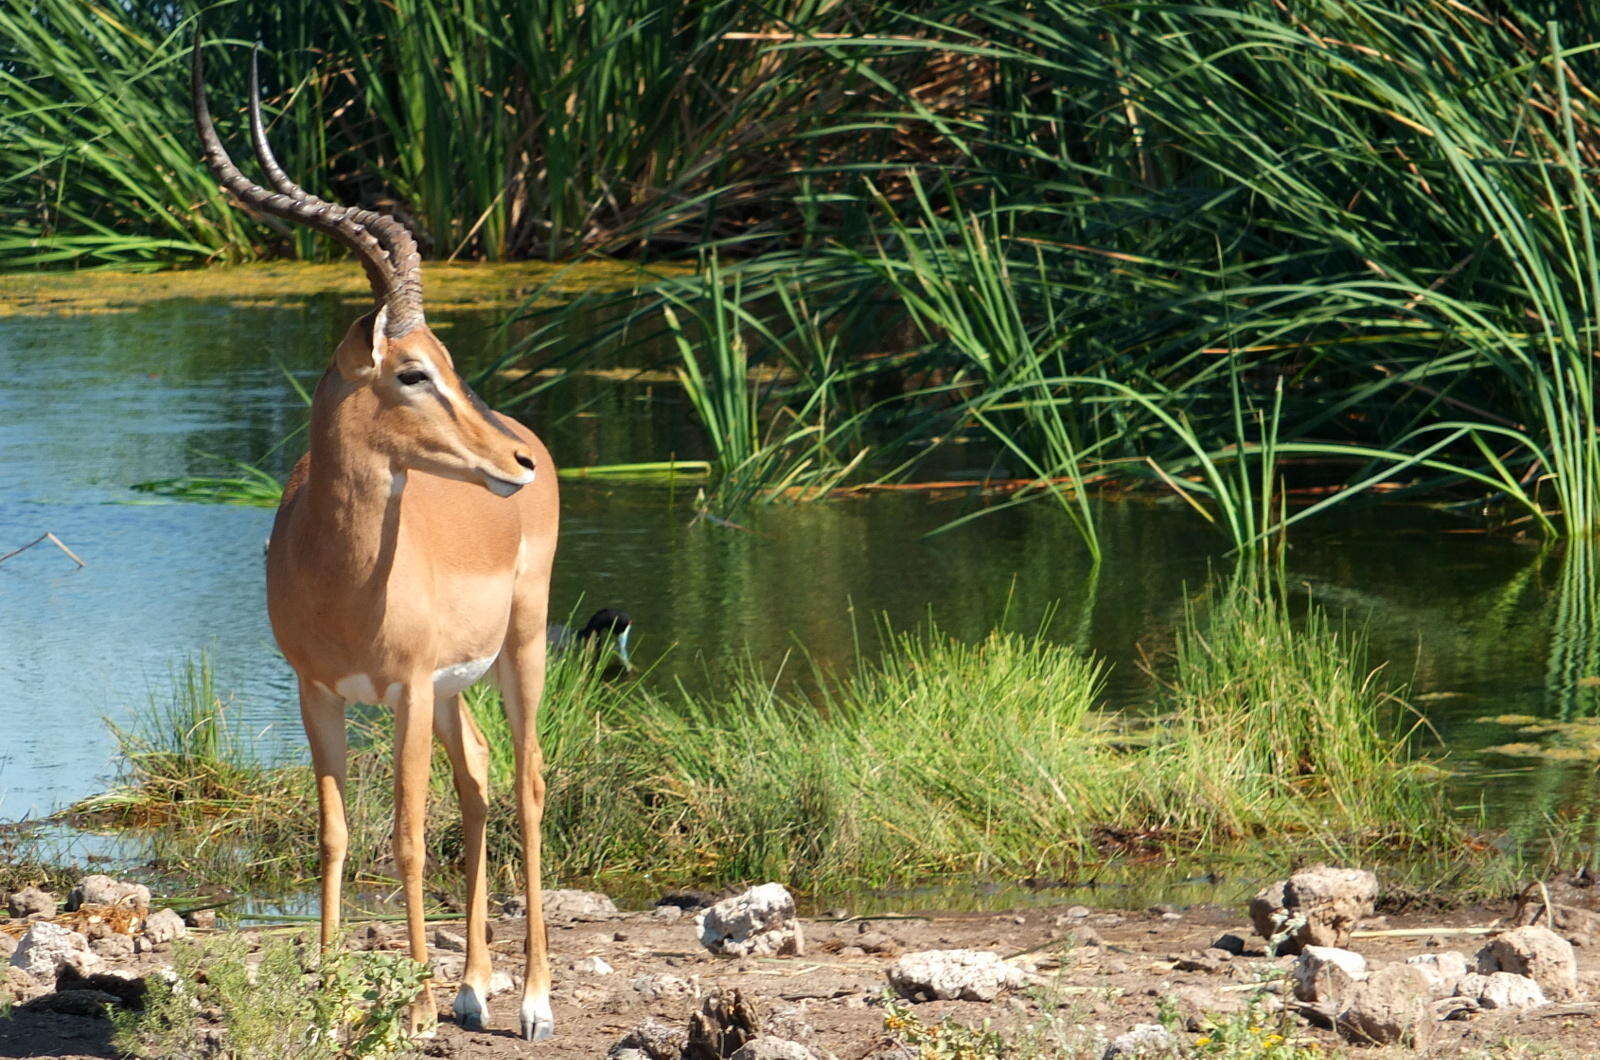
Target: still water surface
<point x="91" y="403"/>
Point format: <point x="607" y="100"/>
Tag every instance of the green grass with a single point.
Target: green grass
<point x="942" y="758"/>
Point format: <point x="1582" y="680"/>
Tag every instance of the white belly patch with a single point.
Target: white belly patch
<point x="358" y="688"/>
<point x="448" y="680"/>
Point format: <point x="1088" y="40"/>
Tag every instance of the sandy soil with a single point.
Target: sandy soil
<point x="1105" y="970"/>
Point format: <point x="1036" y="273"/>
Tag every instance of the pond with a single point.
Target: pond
<point x="167" y="376"/>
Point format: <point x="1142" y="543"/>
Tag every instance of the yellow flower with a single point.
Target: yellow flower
<point x="1272" y="1039"/>
<point x="1202" y="1042"/>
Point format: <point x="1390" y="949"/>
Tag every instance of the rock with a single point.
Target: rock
<point x="1390" y="1007"/>
<point x="501" y="983"/>
<point x="1211" y="961"/>
<point x="31" y="901"/>
<point x="1229" y="943"/>
<point x="948" y="975"/>
<point x="164" y="926"/>
<point x="758" y="923"/>
<point x="1536" y="952"/>
<point x="18" y="985"/>
<point x="126" y="988"/>
<point x="47" y="947"/>
<point x="8" y="946"/>
<point x="103" y="890"/>
<point x="449" y="967"/>
<point x="652" y="1040"/>
<point x="723" y="1023"/>
<point x="92" y="1003"/>
<point x="205" y="919"/>
<point x="515" y="906"/>
<point x="577" y="905"/>
<point x="1327" y="976"/>
<point x="449" y="940"/>
<point x="1444" y="970"/>
<point x="592" y="966"/>
<point x="1319" y="906"/>
<point x="651" y="987"/>
<point x="666" y="912"/>
<point x="1145" y="1039"/>
<point x="1501" y="990"/>
<point x="1267" y="912"/>
<point x="112" y="947"/>
<point x="766" y="1047"/>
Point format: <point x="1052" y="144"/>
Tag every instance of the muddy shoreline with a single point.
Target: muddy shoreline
<point x="1095" y="974"/>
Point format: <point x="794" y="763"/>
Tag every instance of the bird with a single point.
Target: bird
<point x="607" y="627"/>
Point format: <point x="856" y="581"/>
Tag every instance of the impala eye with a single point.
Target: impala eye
<point x="412" y="377"/>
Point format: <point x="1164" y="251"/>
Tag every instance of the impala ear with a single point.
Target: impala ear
<point x="361" y="352"/>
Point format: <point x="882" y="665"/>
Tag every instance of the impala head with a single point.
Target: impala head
<point x="423" y="415"/>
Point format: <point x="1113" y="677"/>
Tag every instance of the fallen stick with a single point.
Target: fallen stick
<point x="53" y="539"/>
<point x="1405" y="933"/>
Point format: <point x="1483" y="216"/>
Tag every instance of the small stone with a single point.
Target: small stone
<point x="650" y="1040"/>
<point x="47" y="947"/>
<point x="449" y="940"/>
<point x="8" y="946"/>
<point x="878" y="942"/>
<point x="164" y="926"/>
<point x="766" y="1047"/>
<point x="449" y="967"/>
<point x="1331" y="901"/>
<point x="1145" y="1039"/>
<point x="1502" y="990"/>
<point x="592" y="966"/>
<point x="1231" y="943"/>
<point x="1444" y="970"/>
<point x="577" y="905"/>
<point x="651" y="987"/>
<point x="758" y="923"/>
<point x="1268" y="914"/>
<point x="204" y="919"/>
<point x="31" y="901"/>
<point x="666" y="912"/>
<point x="1536" y="952"/>
<point x="619" y="936"/>
<point x="1210" y="961"/>
<point x="514" y="906"/>
<point x="112" y="946"/>
<point x="948" y="975"/>
<point x="1327" y="975"/>
<point x="500" y="983"/>
<point x="103" y="890"/>
<point x="1391" y="1006"/>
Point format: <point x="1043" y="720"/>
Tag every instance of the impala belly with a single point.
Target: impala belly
<point x="449" y="680"/>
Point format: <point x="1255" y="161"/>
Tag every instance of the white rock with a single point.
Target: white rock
<point x="500" y="983"/>
<point x="666" y="912"/>
<point x="47" y="947"/>
<point x="1145" y="1039"/>
<point x="1326" y="974"/>
<point x="1330" y="902"/>
<point x="164" y="926"/>
<point x="1390" y="1006"/>
<point x="766" y="1047"/>
<point x="592" y="966"/>
<point x="948" y="975"/>
<point x="1443" y="969"/>
<point x="449" y="967"/>
<point x="1502" y="990"/>
<point x="103" y="890"/>
<point x="760" y="923"/>
<point x="1536" y="952"/>
<point x="577" y="905"/>
<point x="651" y="987"/>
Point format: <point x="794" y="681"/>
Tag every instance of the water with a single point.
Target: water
<point x="91" y="403"/>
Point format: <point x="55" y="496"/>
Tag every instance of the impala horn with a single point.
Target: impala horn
<point x="385" y="247"/>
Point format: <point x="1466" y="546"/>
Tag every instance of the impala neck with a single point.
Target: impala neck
<point x="352" y="489"/>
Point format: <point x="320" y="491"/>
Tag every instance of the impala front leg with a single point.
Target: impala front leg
<point x="413" y="748"/>
<point x="522" y="683"/>
<point x="469" y="760"/>
<point x="322" y="713"/>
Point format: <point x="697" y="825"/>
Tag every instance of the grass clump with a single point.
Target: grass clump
<point x="340" y="1006"/>
<point x="939" y="758"/>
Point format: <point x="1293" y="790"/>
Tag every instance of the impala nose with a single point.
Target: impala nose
<point x="525" y="460"/>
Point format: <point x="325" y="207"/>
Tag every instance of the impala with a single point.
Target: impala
<point x="410" y="557"/>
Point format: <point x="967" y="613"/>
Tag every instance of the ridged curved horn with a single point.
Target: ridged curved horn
<point x="396" y="281"/>
<point x="405" y="298"/>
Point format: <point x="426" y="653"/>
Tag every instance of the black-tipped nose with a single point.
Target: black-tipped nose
<point x="525" y="460"/>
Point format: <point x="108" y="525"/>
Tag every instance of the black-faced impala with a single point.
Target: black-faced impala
<point x="410" y="557"/>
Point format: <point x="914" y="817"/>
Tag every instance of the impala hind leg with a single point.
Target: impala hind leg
<point x="469" y="760"/>
<point x="413" y="719"/>
<point x="522" y="683"/>
<point x="322" y="713"/>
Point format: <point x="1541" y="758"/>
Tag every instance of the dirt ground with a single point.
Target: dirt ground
<point x="1102" y="971"/>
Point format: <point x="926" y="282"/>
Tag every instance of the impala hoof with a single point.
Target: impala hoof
<point x="537" y="1021"/>
<point x="469" y="1009"/>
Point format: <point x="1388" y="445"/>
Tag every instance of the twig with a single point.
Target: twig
<point x="1406" y="933"/>
<point x="53" y="539"/>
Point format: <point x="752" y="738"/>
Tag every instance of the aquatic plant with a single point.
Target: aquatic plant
<point x="942" y="757"/>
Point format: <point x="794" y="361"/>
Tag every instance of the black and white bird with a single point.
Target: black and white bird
<point x="606" y="629"/>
